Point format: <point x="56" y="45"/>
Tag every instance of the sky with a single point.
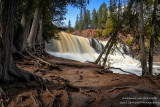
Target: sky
<point x="72" y="12"/>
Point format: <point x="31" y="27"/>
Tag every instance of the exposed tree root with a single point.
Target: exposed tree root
<point x="20" y="54"/>
<point x="144" y="89"/>
<point x="52" y="66"/>
<point x="92" y="90"/>
<point x="2" y="93"/>
<point x="21" y="75"/>
<point x="59" y="78"/>
<point x="1" y="97"/>
<point x="76" y="81"/>
<point x="69" y="86"/>
<point x="77" y="65"/>
<point x="64" y="99"/>
<point x="152" y="81"/>
<point x="103" y="71"/>
<point x="1" y="103"/>
<point x="26" y="99"/>
<point x="121" y="70"/>
<point x="118" y="88"/>
<point x="41" y="80"/>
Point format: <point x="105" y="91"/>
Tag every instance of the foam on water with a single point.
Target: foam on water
<point x="80" y="49"/>
<point x="82" y="57"/>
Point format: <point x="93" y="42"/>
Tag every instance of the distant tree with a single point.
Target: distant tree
<point x="94" y="21"/>
<point x="100" y="11"/>
<point x="113" y="11"/>
<point x="102" y="15"/>
<point x="85" y="19"/>
<point x="81" y="21"/>
<point x="112" y="6"/>
<point x="69" y="27"/>
<point x="88" y="18"/>
<point x="119" y="9"/>
<point x="109" y="26"/>
<point x="77" y="22"/>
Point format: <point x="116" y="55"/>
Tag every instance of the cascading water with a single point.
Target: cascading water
<point x="71" y="47"/>
<point x="83" y="49"/>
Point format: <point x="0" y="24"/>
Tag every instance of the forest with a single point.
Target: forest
<point x="109" y="58"/>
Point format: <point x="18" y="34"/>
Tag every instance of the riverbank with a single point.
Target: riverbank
<point x="79" y="84"/>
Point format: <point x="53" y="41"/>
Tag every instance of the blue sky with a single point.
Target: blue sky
<point x="72" y="12"/>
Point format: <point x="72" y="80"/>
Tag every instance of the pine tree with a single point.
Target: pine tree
<point x="119" y="9"/>
<point x="112" y="10"/>
<point x="85" y="19"/>
<point x="88" y="18"/>
<point x="77" y="23"/>
<point x="81" y="21"/>
<point x="111" y="6"/>
<point x="102" y="16"/>
<point x="94" y="21"/>
<point x="109" y="26"/>
<point x="69" y="27"/>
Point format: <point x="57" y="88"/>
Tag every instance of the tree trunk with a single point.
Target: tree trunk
<point x="39" y="36"/>
<point x="115" y="32"/>
<point x="25" y="22"/>
<point x="106" y="46"/>
<point x="152" y="38"/>
<point x="33" y="32"/>
<point x="142" y="42"/>
<point x="119" y="9"/>
<point x="8" y="70"/>
<point x="107" y="53"/>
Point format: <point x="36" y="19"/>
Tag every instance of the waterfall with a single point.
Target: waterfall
<point x="73" y="47"/>
<point x="84" y="49"/>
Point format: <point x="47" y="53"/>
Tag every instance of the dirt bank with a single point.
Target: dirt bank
<point x="79" y="85"/>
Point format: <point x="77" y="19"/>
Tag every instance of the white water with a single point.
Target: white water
<point x="80" y="49"/>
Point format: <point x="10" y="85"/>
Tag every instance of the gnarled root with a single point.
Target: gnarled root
<point x="119" y="88"/>
<point x="52" y="66"/>
<point x="46" y="98"/>
<point x="2" y="94"/>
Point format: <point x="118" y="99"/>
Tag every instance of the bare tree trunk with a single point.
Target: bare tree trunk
<point x="152" y="38"/>
<point x="115" y="32"/>
<point x="107" y="53"/>
<point x="100" y="56"/>
<point x="21" y="33"/>
<point x="33" y="32"/>
<point x="25" y="22"/>
<point x="8" y="70"/>
<point x="39" y="36"/>
<point x="142" y="42"/>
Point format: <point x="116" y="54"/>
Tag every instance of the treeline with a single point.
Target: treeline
<point x="104" y="18"/>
